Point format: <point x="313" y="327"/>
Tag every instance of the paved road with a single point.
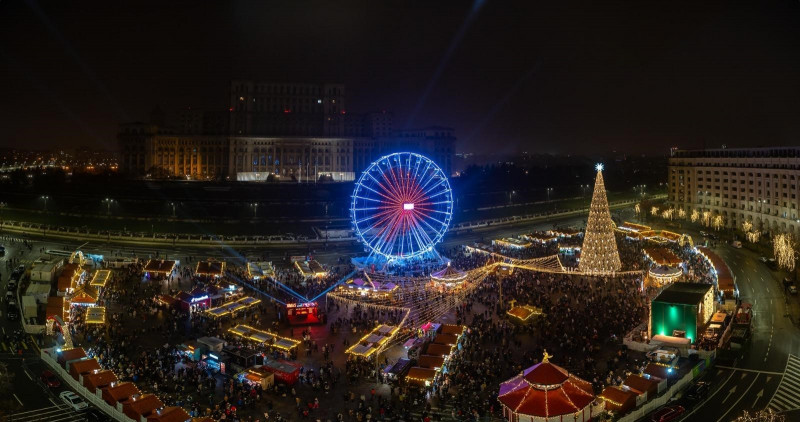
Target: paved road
<point x="753" y="381"/>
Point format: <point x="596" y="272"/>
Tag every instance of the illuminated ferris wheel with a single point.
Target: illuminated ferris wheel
<point x="402" y="206"/>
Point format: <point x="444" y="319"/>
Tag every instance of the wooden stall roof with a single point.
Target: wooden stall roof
<point x="656" y="370"/>
<point x="169" y="414"/>
<point x="143" y="405"/>
<point x="420" y="375"/>
<point x="98" y="379"/>
<point x="100" y="278"/>
<point x="210" y="267"/>
<point x="724" y="277"/>
<point x="618" y="400"/>
<point x="159" y="266"/>
<point x="453" y="329"/>
<point x="430" y="362"/>
<point x="119" y="391"/>
<point x="83" y="367"/>
<point x="71" y="354"/>
<point x="641" y="384"/>
<point x="448" y="339"/>
<point x="438" y="349"/>
<point x="662" y="256"/>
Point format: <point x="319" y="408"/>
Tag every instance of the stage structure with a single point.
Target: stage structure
<point x="401" y="208"/>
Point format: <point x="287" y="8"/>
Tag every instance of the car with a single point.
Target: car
<point x="2" y="250"/>
<point x="696" y="392"/>
<point x="793" y="289"/>
<point x="661" y="355"/>
<point x="704" y="234"/>
<point x="73" y="400"/>
<point x="12" y="312"/>
<point x="736" y="244"/>
<point x="12" y="286"/>
<point x="668" y="414"/>
<point x="763" y="259"/>
<point x="9" y="296"/>
<point x="50" y="379"/>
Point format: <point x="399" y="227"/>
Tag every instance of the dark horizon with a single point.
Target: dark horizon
<point x="508" y="77"/>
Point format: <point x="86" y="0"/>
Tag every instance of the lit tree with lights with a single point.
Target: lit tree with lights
<point x="706" y="218"/>
<point x="681" y="213"/>
<point x="599" y="253"/>
<point x="718" y="222"/>
<point x="747" y="225"/>
<point x="654" y="211"/>
<point x="767" y="415"/>
<point x="783" y="247"/>
<point x="695" y="216"/>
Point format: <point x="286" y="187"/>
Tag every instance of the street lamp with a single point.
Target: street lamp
<point x="549" y="190"/>
<point x="172" y="204"/>
<point x="255" y="209"/>
<point x="108" y="202"/>
<point x="45" y="198"/>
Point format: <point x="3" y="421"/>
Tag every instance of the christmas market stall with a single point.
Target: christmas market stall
<point x="169" y="414"/>
<point x="284" y="371"/>
<point x="547" y="392"/>
<point x="96" y="315"/>
<point x="260" y="269"/>
<point x="365" y="287"/>
<point x="541" y="238"/>
<point x="233" y="307"/>
<point x="665" y="265"/>
<point x="266" y="338"/>
<point x="373" y="341"/>
<point x="511" y="243"/>
<point x="257" y="376"/>
<point x="158" y="268"/>
<point x="618" y="400"/>
<point x="210" y="268"/>
<point x="725" y="283"/>
<point x="524" y="313"/>
<point x="303" y="313"/>
<point x="310" y="269"/>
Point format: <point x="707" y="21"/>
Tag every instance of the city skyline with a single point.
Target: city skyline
<point x="632" y="79"/>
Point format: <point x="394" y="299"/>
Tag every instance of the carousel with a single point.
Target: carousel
<point x="546" y="392"/>
<point x="448" y="278"/>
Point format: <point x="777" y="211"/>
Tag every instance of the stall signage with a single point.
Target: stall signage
<point x="199" y="299"/>
<point x="302" y="305"/>
<point x="213" y="356"/>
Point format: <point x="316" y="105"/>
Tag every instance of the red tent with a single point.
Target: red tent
<point x="547" y="391"/>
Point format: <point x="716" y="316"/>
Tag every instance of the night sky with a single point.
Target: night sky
<point x="555" y="77"/>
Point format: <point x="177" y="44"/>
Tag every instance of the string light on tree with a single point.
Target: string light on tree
<point x="718" y="222"/>
<point x="681" y="213"/>
<point x="747" y="225"/>
<point x="753" y="236"/>
<point x="668" y="214"/>
<point x="695" y="216"/>
<point x="766" y="415"/>
<point x="783" y="248"/>
<point x="637" y="209"/>
<point x="599" y="253"/>
<point x="654" y="211"/>
<point x="706" y="218"/>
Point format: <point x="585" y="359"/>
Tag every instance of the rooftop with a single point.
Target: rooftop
<point x="684" y="293"/>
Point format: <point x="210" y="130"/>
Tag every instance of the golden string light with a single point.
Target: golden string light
<point x="747" y="225"/>
<point x="718" y="222"/>
<point x="681" y="213"/>
<point x="706" y="218"/>
<point x="695" y="216"/>
<point x="753" y="236"/>
<point x="654" y="211"/>
<point x="783" y="248"/>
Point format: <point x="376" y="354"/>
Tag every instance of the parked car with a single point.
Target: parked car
<point x="12" y="285"/>
<point x="73" y="400"/>
<point x="793" y="289"/>
<point x="2" y="250"/>
<point x="668" y="414"/>
<point x="763" y="259"/>
<point x="661" y="355"/>
<point x="12" y="312"/>
<point x="696" y="392"/>
<point x="50" y="379"/>
<point x="736" y="244"/>
<point x="9" y="296"/>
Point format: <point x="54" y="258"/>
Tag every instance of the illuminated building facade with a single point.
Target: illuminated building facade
<point x="740" y="184"/>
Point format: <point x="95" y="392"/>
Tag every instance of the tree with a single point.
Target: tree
<point x="599" y="253"/>
<point x="767" y="415"/>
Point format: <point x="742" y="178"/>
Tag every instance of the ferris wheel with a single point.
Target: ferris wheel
<point x="401" y="206"/>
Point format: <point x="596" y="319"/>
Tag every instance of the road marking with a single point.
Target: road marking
<point x="18" y="400"/>
<point x="29" y="375"/>
<point x="711" y="396"/>
<point x="750" y="370"/>
<point x="733" y="390"/>
<point x="53" y="401"/>
<point x="787" y="396"/>
<point x="740" y="398"/>
<point x="34" y="343"/>
<point x="758" y="397"/>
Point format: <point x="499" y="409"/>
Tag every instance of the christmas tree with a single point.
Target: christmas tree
<point x="599" y="252"/>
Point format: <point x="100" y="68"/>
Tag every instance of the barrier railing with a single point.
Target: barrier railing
<point x="95" y="399"/>
<point x="178" y="239"/>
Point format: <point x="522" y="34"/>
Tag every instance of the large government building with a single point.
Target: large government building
<point x="290" y="131"/>
<point x="748" y="184"/>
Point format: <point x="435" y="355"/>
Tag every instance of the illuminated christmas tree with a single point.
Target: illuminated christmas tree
<point x="599" y="253"/>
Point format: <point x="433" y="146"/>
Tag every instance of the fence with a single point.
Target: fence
<point x="95" y="398"/>
<point x="178" y="239"/>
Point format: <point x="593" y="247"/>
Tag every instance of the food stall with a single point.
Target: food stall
<point x="285" y="371"/>
<point x="266" y="338"/>
<point x="96" y="315"/>
<point x="310" y="269"/>
<point x="158" y="268"/>
<point x="259" y="270"/>
<point x="210" y="268"/>
<point x="257" y="376"/>
<point x="192" y="350"/>
<point x="232" y="307"/>
<point x="373" y="341"/>
<point x="398" y="370"/>
<point x="523" y="313"/>
<point x="303" y="313"/>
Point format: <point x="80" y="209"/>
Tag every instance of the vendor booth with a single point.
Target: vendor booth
<point x="232" y="307"/>
<point x="159" y="267"/>
<point x="257" y="376"/>
<point x="310" y="269"/>
<point x="210" y="268"/>
<point x="266" y="338"/>
<point x="618" y="400"/>
<point x="303" y="313"/>
<point x="285" y="371"/>
<point x="259" y="270"/>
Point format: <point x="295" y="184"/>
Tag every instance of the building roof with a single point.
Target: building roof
<point x="448" y="339"/>
<point x="100" y="278"/>
<point x="420" y="375"/>
<point x="618" y="399"/>
<point x="661" y="256"/>
<point x="430" y="362"/>
<point x="210" y="267"/>
<point x="71" y="354"/>
<point x="684" y="293"/>
<point x="453" y="329"/>
<point x="143" y="405"/>
<point x="439" y="349"/>
<point x="159" y="266"/>
<point x="656" y="370"/>
<point x="546" y="390"/>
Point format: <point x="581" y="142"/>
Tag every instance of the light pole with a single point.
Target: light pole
<point x="108" y="202"/>
<point x="45" y="198"/>
<point x="255" y="209"/>
<point x="511" y="196"/>
<point x="3" y="205"/>
<point x="172" y="204"/>
<point x="549" y="190"/>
